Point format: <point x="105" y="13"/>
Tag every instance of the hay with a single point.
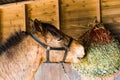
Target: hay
<point x="102" y="54"/>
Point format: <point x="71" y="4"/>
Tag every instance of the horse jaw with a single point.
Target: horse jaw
<point x="79" y="54"/>
<point x="76" y="52"/>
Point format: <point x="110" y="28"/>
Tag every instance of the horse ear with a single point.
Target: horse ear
<point x="33" y="25"/>
<point x="37" y="25"/>
<point x="29" y="27"/>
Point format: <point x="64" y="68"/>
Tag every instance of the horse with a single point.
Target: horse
<point x="24" y="51"/>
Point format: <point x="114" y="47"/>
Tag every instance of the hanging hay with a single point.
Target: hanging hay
<point x="102" y="53"/>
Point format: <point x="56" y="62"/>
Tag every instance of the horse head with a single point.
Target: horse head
<point x="59" y="47"/>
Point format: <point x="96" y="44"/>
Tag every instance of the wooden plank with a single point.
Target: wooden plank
<point x="117" y="77"/>
<point x="58" y="13"/>
<point x="45" y="10"/>
<point x="54" y="71"/>
<point x="12" y="19"/>
<point x="111" y="11"/>
<point x="78" y="6"/>
<point x="25" y="16"/>
<point x="111" y="6"/>
<point x="75" y="32"/>
<point x="1" y="35"/>
<point x="72" y="2"/>
<point x="109" y="3"/>
<point x="98" y="8"/>
<point x="16" y="15"/>
<point x="111" y="19"/>
<point x="19" y="3"/>
<point x="77" y="12"/>
<point x="76" y="22"/>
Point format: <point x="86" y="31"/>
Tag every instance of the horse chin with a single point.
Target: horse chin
<point x="80" y="52"/>
<point x="76" y="60"/>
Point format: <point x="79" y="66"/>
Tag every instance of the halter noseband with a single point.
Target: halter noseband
<point x="53" y="48"/>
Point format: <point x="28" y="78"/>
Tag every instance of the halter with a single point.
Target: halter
<point x="52" y="48"/>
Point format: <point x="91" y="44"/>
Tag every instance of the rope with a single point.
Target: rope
<point x="65" y="72"/>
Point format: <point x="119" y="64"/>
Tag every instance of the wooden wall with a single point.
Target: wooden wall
<point x="14" y="17"/>
<point x="45" y="10"/>
<point x="11" y="19"/>
<point x="74" y="13"/>
<point x="110" y="11"/>
<point x="77" y="12"/>
<point x="111" y="15"/>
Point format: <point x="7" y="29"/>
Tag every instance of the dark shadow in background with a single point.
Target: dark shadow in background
<point x="2" y="2"/>
<point x="114" y="29"/>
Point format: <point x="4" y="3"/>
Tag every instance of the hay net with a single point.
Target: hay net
<point x="102" y="53"/>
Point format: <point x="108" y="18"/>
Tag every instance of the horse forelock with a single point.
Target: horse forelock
<point x="44" y="28"/>
<point x="13" y="40"/>
<point x="47" y="27"/>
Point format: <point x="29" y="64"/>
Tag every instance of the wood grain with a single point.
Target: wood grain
<point x="76" y="12"/>
<point x="44" y="10"/>
<point x="11" y="20"/>
<point x="54" y="71"/>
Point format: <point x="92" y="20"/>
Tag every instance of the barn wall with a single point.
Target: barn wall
<point x="14" y="17"/>
<point x="74" y="13"/>
<point x="11" y="19"/>
<point x="77" y="12"/>
<point x="45" y="10"/>
<point x="110" y="11"/>
<point x="111" y="16"/>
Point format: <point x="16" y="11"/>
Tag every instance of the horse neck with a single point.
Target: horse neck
<point x="23" y="61"/>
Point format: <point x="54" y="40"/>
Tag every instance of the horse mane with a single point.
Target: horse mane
<point x="52" y="29"/>
<point x="17" y="37"/>
<point x="47" y="27"/>
<point x="13" y="40"/>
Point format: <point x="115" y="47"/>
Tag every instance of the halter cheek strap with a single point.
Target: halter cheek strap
<point x="66" y="49"/>
<point x="53" y="48"/>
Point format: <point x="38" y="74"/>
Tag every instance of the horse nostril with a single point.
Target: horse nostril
<point x="78" y="58"/>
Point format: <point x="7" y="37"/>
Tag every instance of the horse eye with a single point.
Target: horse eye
<point x="59" y="39"/>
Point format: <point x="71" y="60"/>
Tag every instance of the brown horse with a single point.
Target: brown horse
<point x="23" y="52"/>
